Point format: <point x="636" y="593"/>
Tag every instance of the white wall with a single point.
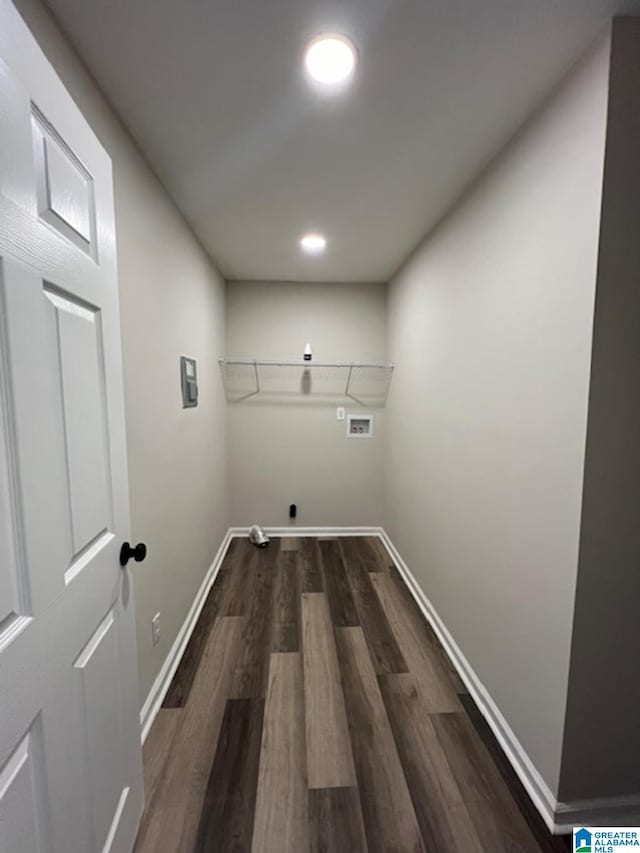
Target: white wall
<point x="490" y="326"/>
<point x="172" y="304"/>
<point x="293" y="450"/>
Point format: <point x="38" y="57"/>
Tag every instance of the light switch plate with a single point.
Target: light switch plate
<point x="340" y="413"/>
<point x="155" y="629"/>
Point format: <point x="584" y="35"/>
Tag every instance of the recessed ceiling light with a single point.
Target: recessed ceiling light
<point x="313" y="243"/>
<point x="330" y="58"/>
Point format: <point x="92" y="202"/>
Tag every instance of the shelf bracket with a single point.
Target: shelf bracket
<point x="346" y="387"/>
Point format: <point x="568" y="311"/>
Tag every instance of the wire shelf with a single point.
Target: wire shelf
<point x="245" y="378"/>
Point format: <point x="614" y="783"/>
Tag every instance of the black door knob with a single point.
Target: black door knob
<point x="127" y="552"/>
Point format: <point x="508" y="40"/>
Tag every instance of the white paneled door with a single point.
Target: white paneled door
<point x="70" y="762"/>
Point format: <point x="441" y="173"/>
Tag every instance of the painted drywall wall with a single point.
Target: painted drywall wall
<point x="602" y="735"/>
<point x="285" y="450"/>
<point x="490" y="327"/>
<point x="172" y="304"/>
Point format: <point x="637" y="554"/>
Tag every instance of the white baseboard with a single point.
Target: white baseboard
<point x="559" y="817"/>
<point x="293" y="530"/>
<point x="164" y="678"/>
<point x="606" y="811"/>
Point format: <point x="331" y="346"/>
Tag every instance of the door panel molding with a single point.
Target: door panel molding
<point x="68" y="658"/>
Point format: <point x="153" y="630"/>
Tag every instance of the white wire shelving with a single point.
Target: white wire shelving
<point x="365" y="383"/>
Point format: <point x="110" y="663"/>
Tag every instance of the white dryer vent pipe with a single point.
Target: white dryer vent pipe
<point x="258" y="537"/>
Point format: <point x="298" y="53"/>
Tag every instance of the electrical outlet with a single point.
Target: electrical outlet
<point x="340" y="413"/>
<point x="155" y="628"/>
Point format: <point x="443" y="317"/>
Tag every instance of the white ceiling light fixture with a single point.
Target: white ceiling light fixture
<point x="330" y="59"/>
<point x="313" y="244"/>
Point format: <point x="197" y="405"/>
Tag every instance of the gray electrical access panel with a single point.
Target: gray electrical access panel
<point x="189" y="382"/>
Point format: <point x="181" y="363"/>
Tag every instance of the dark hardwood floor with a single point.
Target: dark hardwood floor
<point x="315" y="711"/>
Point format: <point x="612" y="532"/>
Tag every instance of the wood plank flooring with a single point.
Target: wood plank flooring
<point x="314" y="711"/>
<point x="329" y="757"/>
<point x="282" y="816"/>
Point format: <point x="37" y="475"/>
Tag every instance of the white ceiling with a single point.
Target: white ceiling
<point x="214" y="94"/>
